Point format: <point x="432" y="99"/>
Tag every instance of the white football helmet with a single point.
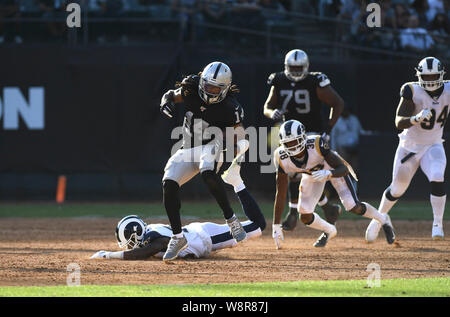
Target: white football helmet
<point x="215" y="81"/>
<point x="130" y="232"/>
<point x="296" y="64"/>
<point x="430" y="66"/>
<point x="293" y="130"/>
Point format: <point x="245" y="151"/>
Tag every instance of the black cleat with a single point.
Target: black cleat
<point x="322" y="241"/>
<point x="332" y="212"/>
<point x="389" y="233"/>
<point x="290" y="222"/>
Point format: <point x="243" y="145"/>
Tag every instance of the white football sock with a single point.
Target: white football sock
<point x="438" y="204"/>
<point x="238" y="188"/>
<point x="116" y="255"/>
<point x="372" y="213"/>
<point x="386" y="204"/>
<point x="321" y="225"/>
<point x="178" y="235"/>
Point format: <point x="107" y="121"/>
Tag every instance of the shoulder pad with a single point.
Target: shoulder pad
<point x="324" y="144"/>
<point x="321" y="145"/>
<point x="321" y="79"/>
<point x="407" y="91"/>
<point x="270" y="80"/>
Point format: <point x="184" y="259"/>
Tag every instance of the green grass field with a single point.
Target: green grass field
<point x="432" y="287"/>
<point x="405" y="210"/>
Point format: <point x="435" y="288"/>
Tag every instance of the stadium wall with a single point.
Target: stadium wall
<point x="92" y="114"/>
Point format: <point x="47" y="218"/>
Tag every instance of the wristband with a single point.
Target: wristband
<point x="413" y="120"/>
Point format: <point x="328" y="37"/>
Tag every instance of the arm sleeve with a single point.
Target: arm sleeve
<point x="406" y="92"/>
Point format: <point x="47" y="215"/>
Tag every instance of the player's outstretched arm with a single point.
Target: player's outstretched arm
<point x="330" y="97"/>
<point x="405" y="110"/>
<point x="406" y="107"/>
<point x="270" y="105"/>
<point x="157" y="245"/>
<point x="168" y="101"/>
<point x="278" y="207"/>
<point x="404" y="118"/>
<point x="339" y="168"/>
<point x="280" y="196"/>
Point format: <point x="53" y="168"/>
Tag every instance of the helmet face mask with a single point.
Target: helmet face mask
<point x="294" y="146"/>
<point x="293" y="137"/>
<point x="130" y="232"/>
<point x="296" y="64"/>
<point x="215" y="82"/>
<point x="430" y="74"/>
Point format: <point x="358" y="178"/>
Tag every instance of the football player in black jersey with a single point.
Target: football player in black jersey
<point x="209" y="102"/>
<point x="298" y="94"/>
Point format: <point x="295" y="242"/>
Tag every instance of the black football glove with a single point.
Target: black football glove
<point x="167" y="108"/>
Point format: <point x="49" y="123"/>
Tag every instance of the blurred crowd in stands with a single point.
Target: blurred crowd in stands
<point x="407" y="25"/>
<point x="410" y="25"/>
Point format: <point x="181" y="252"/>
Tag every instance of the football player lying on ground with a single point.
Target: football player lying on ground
<point x="144" y="241"/>
<point x="312" y="156"/>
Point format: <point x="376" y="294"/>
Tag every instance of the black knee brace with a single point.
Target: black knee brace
<point x="360" y="209"/>
<point x="389" y="196"/>
<point x="437" y="189"/>
<point x="307" y="219"/>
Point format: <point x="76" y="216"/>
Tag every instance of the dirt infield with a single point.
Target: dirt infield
<point x="37" y="252"/>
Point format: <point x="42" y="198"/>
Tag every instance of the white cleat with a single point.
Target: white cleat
<point x="325" y="237"/>
<point x="437" y="233"/>
<point x="333" y="233"/>
<point x="372" y="231"/>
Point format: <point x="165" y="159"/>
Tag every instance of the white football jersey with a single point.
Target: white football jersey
<point x="199" y="242"/>
<point x="314" y="160"/>
<point x="427" y="132"/>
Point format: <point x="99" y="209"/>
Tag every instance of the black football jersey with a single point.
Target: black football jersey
<point x="298" y="100"/>
<point x="199" y="116"/>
